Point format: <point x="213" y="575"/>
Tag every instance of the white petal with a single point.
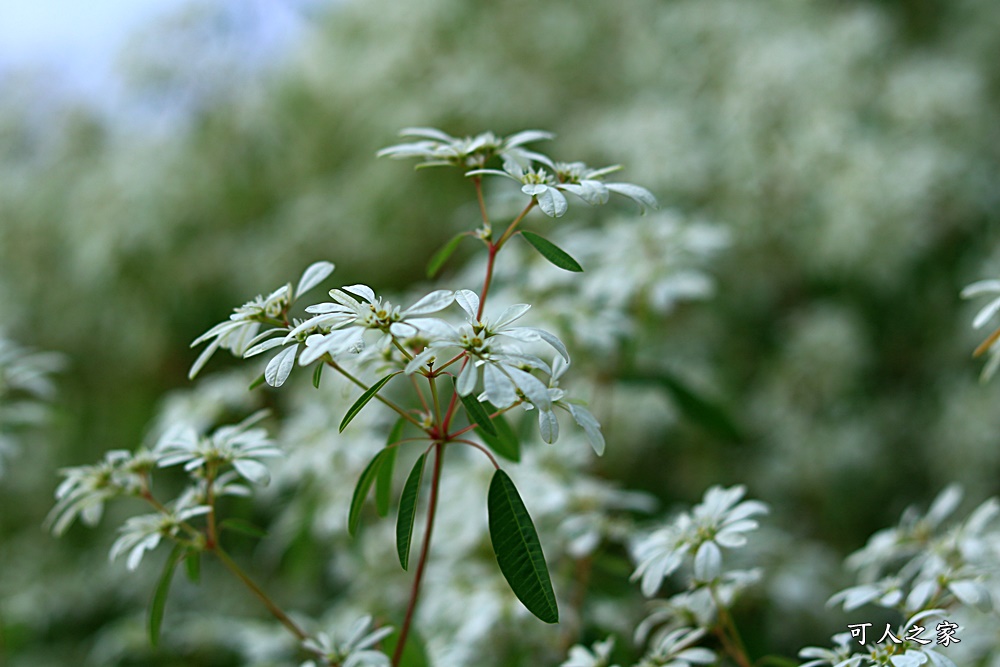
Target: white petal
<point x="314" y="275"/>
<point x="527" y="136"/>
<point x="426" y="132"/>
<point x="469" y="301"/>
<point x="334" y="343"/>
<point x="498" y="387"/>
<point x="986" y="314"/>
<point x="432" y="303"/>
<point x="263" y="347"/>
<point x="203" y="358"/>
<point x="548" y="426"/>
<point x="467" y="379"/>
<point x="254" y="471"/>
<point x="510" y="314"/>
<point x="708" y="561"/>
<point x="364" y="291"/>
<point x="639" y="195"/>
<point x="280" y="366"/>
<point x="590" y="426"/>
<point x="533" y="388"/>
<point x="981" y="287"/>
<point x="551" y="201"/>
<point x="420" y="360"/>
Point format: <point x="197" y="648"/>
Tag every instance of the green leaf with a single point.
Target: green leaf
<point x="518" y="551"/>
<point x="552" y="252"/>
<point x="243" y="526"/>
<point x="383" y="483"/>
<point x="317" y="373"/>
<point x="505" y="443"/>
<point x="256" y="383"/>
<point x="192" y="563"/>
<point x="364" y="486"/>
<point x="159" y="602"/>
<point x="442" y="255"/>
<point x="700" y="410"/>
<point x="363" y="400"/>
<point x="478" y="414"/>
<point x="408" y="511"/>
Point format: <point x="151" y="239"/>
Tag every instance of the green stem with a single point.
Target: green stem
<point x="261" y="595"/>
<point x="398" y="410"/>
<point x="418" y="577"/>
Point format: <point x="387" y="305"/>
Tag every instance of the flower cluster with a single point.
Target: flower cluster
<point x="720" y="521"/>
<point x="239" y="334"/>
<point x="355" y="650"/>
<point x="923" y="563"/>
<point x="696" y="538"/>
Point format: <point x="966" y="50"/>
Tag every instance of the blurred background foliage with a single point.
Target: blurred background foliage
<point x="851" y="148"/>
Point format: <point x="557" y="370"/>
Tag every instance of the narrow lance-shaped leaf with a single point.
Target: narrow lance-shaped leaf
<point x="192" y="562"/>
<point x="408" y="511"/>
<point x="256" y="383"/>
<point x="518" y="550"/>
<point x="243" y="527"/>
<point x="477" y="413"/>
<point x="317" y="374"/>
<point x="159" y="602"/>
<point x="383" y="483"/>
<point x="363" y="487"/>
<point x="505" y="443"/>
<point x="442" y="255"/>
<point x="369" y="394"/>
<point x="552" y="252"/>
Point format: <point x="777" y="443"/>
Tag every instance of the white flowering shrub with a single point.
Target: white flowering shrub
<point x="790" y="325"/>
<point x="460" y="371"/>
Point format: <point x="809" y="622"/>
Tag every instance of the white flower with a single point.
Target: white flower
<point x="674" y="649"/>
<point x="238" y="334"/>
<point x="720" y="521"/>
<point x="143" y="533"/>
<point x="581" y="415"/>
<point x="440" y="149"/>
<point x="588" y="185"/>
<point x="86" y="488"/>
<point x="537" y="183"/>
<point x="598" y="655"/>
<point x="240" y="446"/>
<point x="354" y="651"/>
<point x="348" y="319"/>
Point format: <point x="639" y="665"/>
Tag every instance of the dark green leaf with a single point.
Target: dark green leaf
<point x="552" y="252"/>
<point x="383" y="482"/>
<point x="408" y="511"/>
<point x="702" y="411"/>
<point x="192" y="563"/>
<point x="478" y="414"/>
<point x="242" y="526"/>
<point x="317" y="373"/>
<point x="442" y="255"/>
<point x="256" y="383"/>
<point x="159" y="602"/>
<point x="518" y="551"/>
<point x="505" y="443"/>
<point x="363" y="400"/>
<point x="364" y="486"/>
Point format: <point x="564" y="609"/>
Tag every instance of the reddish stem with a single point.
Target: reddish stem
<point x="418" y="577"/>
